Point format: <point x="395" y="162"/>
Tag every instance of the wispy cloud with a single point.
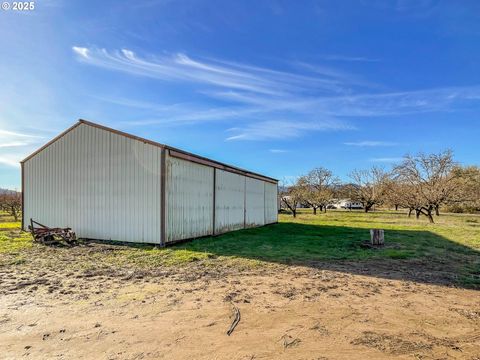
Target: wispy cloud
<point x="278" y="151"/>
<point x="367" y="105"/>
<point x="337" y="57"/>
<point x="14" y="145"/>
<point x="369" y="143"/>
<point x="180" y="67"/>
<point x="268" y="103"/>
<point x="81" y="51"/>
<point x="6" y="134"/>
<point x="10" y="160"/>
<point x="181" y="113"/>
<point x="282" y="129"/>
<point x="387" y="159"/>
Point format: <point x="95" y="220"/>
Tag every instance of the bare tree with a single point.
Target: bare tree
<point x="410" y="199"/>
<point x="431" y="180"/>
<point x="467" y="185"/>
<point x="308" y="194"/>
<point x="291" y="197"/>
<point x="368" y="186"/>
<point x="401" y="194"/>
<point x="11" y="203"/>
<point x="318" y="188"/>
<point x="471" y="186"/>
<point x="393" y="193"/>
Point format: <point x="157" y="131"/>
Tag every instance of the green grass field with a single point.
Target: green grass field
<point x="327" y="237"/>
<point x="338" y="236"/>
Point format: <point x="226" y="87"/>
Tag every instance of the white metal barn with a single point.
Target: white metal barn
<point x="109" y="185"/>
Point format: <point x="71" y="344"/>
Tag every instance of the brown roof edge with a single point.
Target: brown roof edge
<point x="121" y="133"/>
<point x="181" y="153"/>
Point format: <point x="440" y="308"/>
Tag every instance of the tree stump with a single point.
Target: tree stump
<point x="377" y="237"/>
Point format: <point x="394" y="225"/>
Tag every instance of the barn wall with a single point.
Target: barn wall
<point x="103" y="185"/>
<point x="254" y="202"/>
<point x="229" y="201"/>
<point x="189" y="199"/>
<point x="107" y="186"/>
<point x="271" y="203"/>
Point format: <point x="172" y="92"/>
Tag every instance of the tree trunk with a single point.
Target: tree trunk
<point x="417" y="214"/>
<point x="430" y="217"/>
<point x="324" y="209"/>
<point x="294" y="212"/>
<point x="14" y="213"/>
<point x="427" y="211"/>
<point x="437" y="210"/>
<point x="410" y="212"/>
<point x="314" y="211"/>
<point x="396" y="207"/>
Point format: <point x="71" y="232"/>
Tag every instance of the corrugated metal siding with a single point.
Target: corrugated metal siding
<point x="103" y="185"/>
<point x="189" y="199"/>
<point x="229" y="201"/>
<point x="255" y="202"/>
<point x="271" y="202"/>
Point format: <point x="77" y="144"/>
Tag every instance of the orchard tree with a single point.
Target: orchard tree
<point x="467" y="194"/>
<point x="431" y="180"/>
<point x="369" y="186"/>
<point x="394" y="193"/>
<point x="308" y="195"/>
<point x="320" y="184"/>
<point x="11" y="203"/>
<point x="292" y="197"/>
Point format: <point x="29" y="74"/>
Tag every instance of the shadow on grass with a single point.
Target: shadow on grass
<point x="409" y="254"/>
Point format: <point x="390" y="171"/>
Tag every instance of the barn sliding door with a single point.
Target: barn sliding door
<point x="189" y="199"/>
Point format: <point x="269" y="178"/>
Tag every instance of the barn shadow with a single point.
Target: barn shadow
<point x="412" y="255"/>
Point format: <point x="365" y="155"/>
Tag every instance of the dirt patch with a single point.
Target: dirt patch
<point x="393" y="344"/>
<point x="76" y="303"/>
<point x="470" y="314"/>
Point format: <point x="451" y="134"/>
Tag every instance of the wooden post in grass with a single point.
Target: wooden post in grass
<point x="377" y="237"/>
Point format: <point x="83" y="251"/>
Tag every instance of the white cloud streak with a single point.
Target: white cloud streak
<point x="336" y="57"/>
<point x="318" y="99"/>
<point x="9" y="160"/>
<point x="14" y="145"/>
<point x="180" y="67"/>
<point x="367" y="105"/>
<point x="282" y="129"/>
<point x="80" y="51"/>
<point x="6" y="133"/>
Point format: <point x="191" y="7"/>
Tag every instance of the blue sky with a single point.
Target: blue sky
<point x="278" y="87"/>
